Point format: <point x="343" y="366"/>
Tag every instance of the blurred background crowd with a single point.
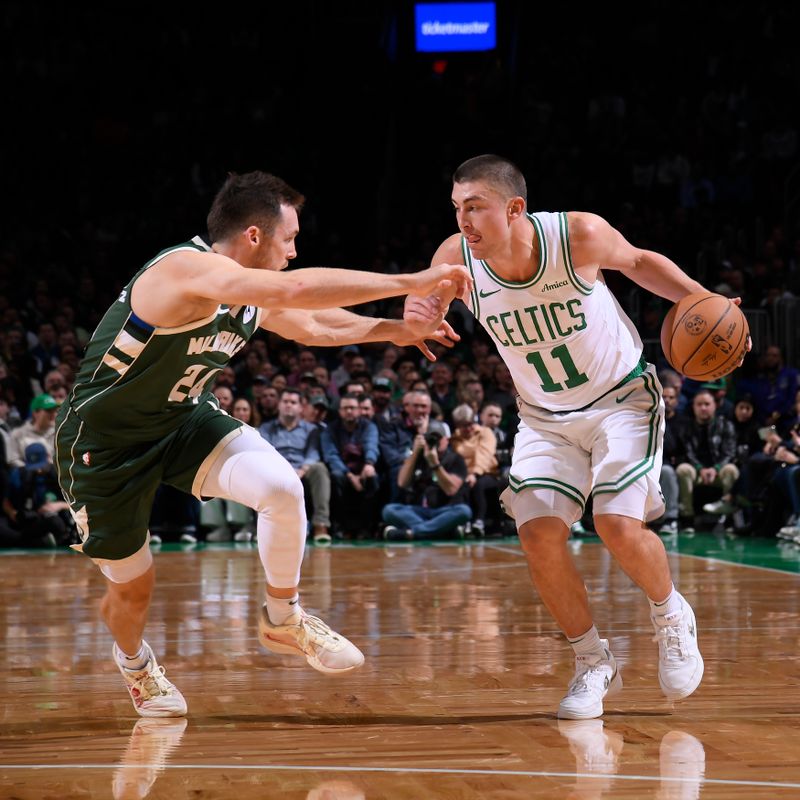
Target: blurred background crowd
<point x="680" y="131"/>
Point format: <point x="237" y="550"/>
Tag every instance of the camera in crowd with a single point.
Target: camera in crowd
<point x="432" y="439"/>
<point x="435" y="433"/>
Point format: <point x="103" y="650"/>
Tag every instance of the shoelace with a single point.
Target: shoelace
<point x="589" y="674"/>
<point x="671" y="637"/>
<point x="316" y="631"/>
<point x="153" y="683"/>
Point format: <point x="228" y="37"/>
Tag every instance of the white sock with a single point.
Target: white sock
<point x="665" y="608"/>
<point x="588" y="643"/>
<point x="279" y="609"/>
<point x="134" y="663"/>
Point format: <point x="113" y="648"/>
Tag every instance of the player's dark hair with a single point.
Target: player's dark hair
<point x="254" y="198"/>
<point x="501" y="174"/>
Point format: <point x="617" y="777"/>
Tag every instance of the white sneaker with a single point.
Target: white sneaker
<point x="788" y="532"/>
<point x="577" y="529"/>
<point x="596" y="675"/>
<point x="668" y="528"/>
<point x="151" y="693"/>
<point x="722" y="507"/>
<point x="151" y="743"/>
<point x="680" y="665"/>
<point x="221" y="534"/>
<point x="304" y="635"/>
<point x="243" y="536"/>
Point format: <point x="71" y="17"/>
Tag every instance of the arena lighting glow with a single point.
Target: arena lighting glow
<point x="454" y="27"/>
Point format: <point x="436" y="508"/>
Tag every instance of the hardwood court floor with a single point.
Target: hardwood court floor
<point x="457" y="698"/>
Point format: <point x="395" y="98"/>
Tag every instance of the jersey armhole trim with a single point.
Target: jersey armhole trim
<point x="579" y="283"/>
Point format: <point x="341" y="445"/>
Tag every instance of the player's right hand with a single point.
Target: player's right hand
<point x="446" y="280"/>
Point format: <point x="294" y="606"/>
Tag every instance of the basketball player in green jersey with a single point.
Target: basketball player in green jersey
<point x="591" y="412"/>
<point x="141" y="413"/>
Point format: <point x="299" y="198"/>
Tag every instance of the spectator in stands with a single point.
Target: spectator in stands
<point x="268" y="401"/>
<point x="774" y="388"/>
<point x="385" y="409"/>
<point x="298" y="442"/>
<point x="477" y="445"/>
<point x="673" y="454"/>
<point x="442" y="389"/>
<point x="748" y="443"/>
<point x="787" y="480"/>
<point x="225" y="397"/>
<point x="39" y="428"/>
<point x="246" y="370"/>
<point x="33" y="502"/>
<point x="367" y="407"/>
<point x="323" y="376"/>
<point x="245" y="410"/>
<point x="350" y="451"/>
<point x="46" y="353"/>
<point x="346" y="356"/>
<point x="673" y="379"/>
<point x="435" y="499"/>
<point x="316" y="409"/>
<point x="501" y="391"/>
<point x="710" y="447"/>
<point x="473" y="394"/>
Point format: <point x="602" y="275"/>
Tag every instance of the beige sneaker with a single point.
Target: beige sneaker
<point x="149" y="748"/>
<point x="304" y="635"/>
<point x="151" y="693"/>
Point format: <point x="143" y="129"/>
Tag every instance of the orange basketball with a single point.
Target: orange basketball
<point x="704" y="336"/>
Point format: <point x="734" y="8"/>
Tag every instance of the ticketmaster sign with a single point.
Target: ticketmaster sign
<point x="445" y="27"/>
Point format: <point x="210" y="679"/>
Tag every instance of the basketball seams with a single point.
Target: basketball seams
<point x="735" y="354"/>
<point x="706" y="337"/>
<point x="713" y="344"/>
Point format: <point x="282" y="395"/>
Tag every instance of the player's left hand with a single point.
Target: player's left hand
<point x="423" y="319"/>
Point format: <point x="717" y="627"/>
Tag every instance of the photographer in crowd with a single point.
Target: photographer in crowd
<point x="433" y="480"/>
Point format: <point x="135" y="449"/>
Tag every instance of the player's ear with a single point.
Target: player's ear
<point x="515" y="207"/>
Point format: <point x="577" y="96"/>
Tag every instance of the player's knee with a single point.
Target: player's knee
<point x="123" y="572"/>
<point x="538" y="536"/>
<point x="282" y="495"/>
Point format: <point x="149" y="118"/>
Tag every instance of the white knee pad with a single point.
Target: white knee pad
<point x="252" y="472"/>
<point x="125" y="570"/>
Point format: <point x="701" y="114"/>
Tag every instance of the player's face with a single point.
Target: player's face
<point x="276" y="251"/>
<point x="481" y="214"/>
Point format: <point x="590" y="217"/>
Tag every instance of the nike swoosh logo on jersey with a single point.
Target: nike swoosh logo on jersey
<point x="488" y="294"/>
<point x="625" y="396"/>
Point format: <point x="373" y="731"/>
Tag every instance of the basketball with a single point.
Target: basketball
<point x="704" y="336"/>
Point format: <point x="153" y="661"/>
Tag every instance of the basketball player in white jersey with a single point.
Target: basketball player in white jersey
<point x="591" y="412"/>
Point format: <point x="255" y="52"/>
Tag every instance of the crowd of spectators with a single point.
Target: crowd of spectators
<point x="390" y="444"/>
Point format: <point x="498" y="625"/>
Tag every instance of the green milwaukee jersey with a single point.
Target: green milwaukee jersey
<point x="137" y="382"/>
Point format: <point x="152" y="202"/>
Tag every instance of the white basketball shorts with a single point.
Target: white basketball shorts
<point x="610" y="451"/>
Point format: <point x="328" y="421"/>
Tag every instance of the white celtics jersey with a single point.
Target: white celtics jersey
<point x="566" y="342"/>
